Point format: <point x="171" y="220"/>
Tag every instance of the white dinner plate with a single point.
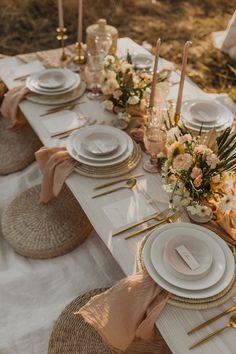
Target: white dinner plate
<point x="71" y="82"/>
<point x="100" y="144"/>
<point x="58" y="99"/>
<point x="51" y="79"/>
<point x="122" y="138"/>
<point x="216" y="270"/>
<point x="191" y="294"/>
<point x="208" y="113"/>
<point x="78" y="135"/>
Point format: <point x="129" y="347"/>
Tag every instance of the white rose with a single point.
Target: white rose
<point x="124" y="116"/>
<point x="108" y="105"/>
<point x="172" y="133"/>
<point x="133" y="100"/>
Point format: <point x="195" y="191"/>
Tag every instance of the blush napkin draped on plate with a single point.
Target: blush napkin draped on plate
<point x="10" y="106"/>
<point x="56" y="165"/>
<point x="127" y="310"/>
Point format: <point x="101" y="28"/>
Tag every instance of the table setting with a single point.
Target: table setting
<point x="109" y="117"/>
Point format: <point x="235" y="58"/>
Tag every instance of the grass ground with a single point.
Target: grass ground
<point x="29" y="25"/>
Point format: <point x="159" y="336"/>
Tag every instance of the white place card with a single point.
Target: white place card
<point x="129" y="210"/>
<point x="187" y="257"/>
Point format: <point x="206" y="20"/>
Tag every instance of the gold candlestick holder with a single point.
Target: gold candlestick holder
<point x="80" y="57"/>
<point x="177" y="118"/>
<point x="61" y="37"/>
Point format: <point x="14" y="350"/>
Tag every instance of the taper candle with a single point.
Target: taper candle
<point x="154" y="77"/>
<point x="182" y="77"/>
<point x="80" y="20"/>
<point x="60" y="14"/>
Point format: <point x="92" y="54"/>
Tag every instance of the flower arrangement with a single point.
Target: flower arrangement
<point x="199" y="171"/>
<point x="125" y="87"/>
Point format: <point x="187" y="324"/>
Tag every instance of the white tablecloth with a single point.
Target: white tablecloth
<point x="37" y="299"/>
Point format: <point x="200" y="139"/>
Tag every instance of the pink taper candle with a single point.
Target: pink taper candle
<point x="80" y="20"/>
<point x="60" y="14"/>
<point x="182" y="76"/>
<point x="154" y="78"/>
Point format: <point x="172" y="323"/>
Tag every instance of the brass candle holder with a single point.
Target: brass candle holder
<point x="80" y="57"/>
<point x="177" y="118"/>
<point x="61" y="37"/>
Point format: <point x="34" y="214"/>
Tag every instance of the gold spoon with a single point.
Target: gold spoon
<point x="231" y="323"/>
<point x="129" y="185"/>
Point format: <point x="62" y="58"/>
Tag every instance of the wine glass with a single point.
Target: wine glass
<point x="103" y="42"/>
<point x="154" y="142"/>
<point x="94" y="74"/>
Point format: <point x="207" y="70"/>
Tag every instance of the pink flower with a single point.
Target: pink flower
<point x="117" y="94"/>
<point x="196" y="172"/>
<point x="212" y="160"/>
<point x="182" y="162"/>
<point x="185" y="138"/>
<point x="198" y="181"/>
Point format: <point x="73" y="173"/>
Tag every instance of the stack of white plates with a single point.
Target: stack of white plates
<point x="207" y="114"/>
<point x="216" y="265"/>
<point x="100" y="146"/>
<point x="52" y="85"/>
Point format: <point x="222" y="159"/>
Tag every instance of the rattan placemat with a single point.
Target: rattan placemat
<point x="17" y="147"/>
<point x="114" y="170"/>
<point x="193" y="304"/>
<point x="72" y="335"/>
<point x="40" y="230"/>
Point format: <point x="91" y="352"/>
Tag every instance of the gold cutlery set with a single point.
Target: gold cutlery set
<point x="231" y="323"/>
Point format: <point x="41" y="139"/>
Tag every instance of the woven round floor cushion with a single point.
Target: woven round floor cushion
<point x="40" y="230"/>
<point x="17" y="147"/>
<point x="72" y="335"/>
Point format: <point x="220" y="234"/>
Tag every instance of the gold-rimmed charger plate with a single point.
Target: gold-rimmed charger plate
<point x="193" y="304"/>
<point x="112" y="171"/>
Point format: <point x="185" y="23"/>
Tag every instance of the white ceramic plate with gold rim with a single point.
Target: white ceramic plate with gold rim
<point x="191" y="294"/>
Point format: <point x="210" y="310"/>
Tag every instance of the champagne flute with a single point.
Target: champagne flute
<point x="94" y="74"/>
<point x="154" y="142"/>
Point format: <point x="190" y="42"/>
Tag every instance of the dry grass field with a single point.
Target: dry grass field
<point x="29" y="25"/>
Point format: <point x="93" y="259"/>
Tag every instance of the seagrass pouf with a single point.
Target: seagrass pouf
<point x="38" y="230"/>
<point x="17" y="147"/>
<point x="72" y="335"/>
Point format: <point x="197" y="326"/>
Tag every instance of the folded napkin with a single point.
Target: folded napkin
<point x="127" y="310"/>
<point x="56" y="165"/>
<point x="225" y="227"/>
<point x="10" y="106"/>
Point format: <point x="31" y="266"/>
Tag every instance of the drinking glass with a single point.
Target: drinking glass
<point x="103" y="42"/>
<point x="94" y="74"/>
<point x="154" y="142"/>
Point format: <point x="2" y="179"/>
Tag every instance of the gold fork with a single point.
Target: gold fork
<point x="157" y="217"/>
<point x="171" y="219"/>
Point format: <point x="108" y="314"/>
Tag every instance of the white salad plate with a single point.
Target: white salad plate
<point x="76" y="140"/>
<point x="197" y="248"/>
<point x="191" y="294"/>
<point x="51" y="79"/>
<point x="100" y="144"/>
<point x="72" y="81"/>
<point x="214" y="271"/>
<point x="122" y="147"/>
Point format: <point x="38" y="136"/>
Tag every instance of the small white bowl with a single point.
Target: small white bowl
<point x="177" y="266"/>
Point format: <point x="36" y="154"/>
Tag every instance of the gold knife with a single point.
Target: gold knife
<point x="213" y="319"/>
<point x="118" y="181"/>
<point x="160" y="215"/>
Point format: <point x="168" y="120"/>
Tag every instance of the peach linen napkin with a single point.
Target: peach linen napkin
<point x="10" y="106"/>
<point x="127" y="310"/>
<point x="56" y="165"/>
